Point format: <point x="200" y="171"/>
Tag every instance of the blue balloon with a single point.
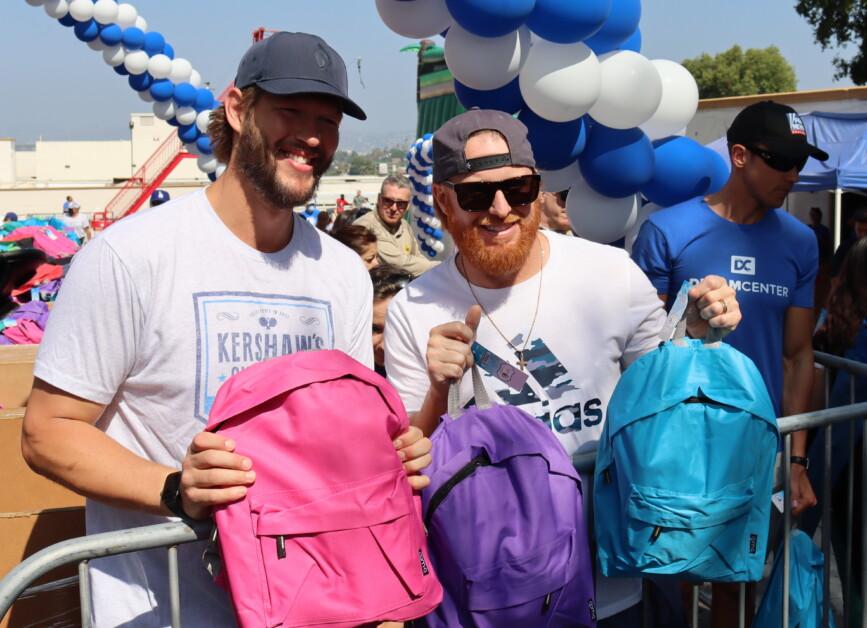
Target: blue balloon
<point x="121" y="69"/>
<point x="133" y="38"/>
<point x="490" y="18"/>
<point x="568" y="21"/>
<point x="184" y="95"/>
<point x="203" y="142"/>
<point x="154" y="43"/>
<point x="188" y="133"/>
<point x="212" y="176"/>
<point x="719" y="171"/>
<point x="682" y="171"/>
<point x="555" y="144"/>
<point x="506" y="98"/>
<point x="162" y="90"/>
<point x="87" y="31"/>
<point x="67" y="20"/>
<point x="140" y="82"/>
<point x="111" y="35"/>
<point x="616" y="162"/>
<point x="169" y="51"/>
<point x="204" y="99"/>
<point x="618" y="28"/>
<point x="173" y="122"/>
<point x="633" y="43"/>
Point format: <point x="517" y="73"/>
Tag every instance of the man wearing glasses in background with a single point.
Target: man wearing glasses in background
<point x="553" y="211"/>
<point x="396" y="243"/>
<point x="767" y="255"/>
<point x="563" y="314"/>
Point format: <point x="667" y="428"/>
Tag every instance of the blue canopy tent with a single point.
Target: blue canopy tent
<point x="844" y="137"/>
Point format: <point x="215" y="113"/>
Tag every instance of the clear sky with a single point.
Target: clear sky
<point x="55" y="88"/>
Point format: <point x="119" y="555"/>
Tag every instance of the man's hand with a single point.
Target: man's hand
<point x="802" y="493"/>
<point x="413" y="448"/>
<point x="448" y="349"/>
<point x="212" y="474"/>
<point x="712" y="303"/>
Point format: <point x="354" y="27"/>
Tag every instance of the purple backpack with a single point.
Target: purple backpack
<point x="505" y="521"/>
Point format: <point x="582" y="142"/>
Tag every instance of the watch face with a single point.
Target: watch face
<point x="172" y="487"/>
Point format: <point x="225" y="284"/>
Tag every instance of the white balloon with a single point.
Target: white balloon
<point x="415" y="20"/>
<point x="145" y="95"/>
<point x="195" y="79"/>
<point x="165" y="110"/>
<point x="679" y="100"/>
<point x="643" y="213"/>
<point x="35" y="3"/>
<point x="560" y="82"/>
<point x="114" y="55"/>
<point x="202" y="120"/>
<point x="207" y="163"/>
<point x="181" y="70"/>
<point x="81" y="10"/>
<point x="141" y="24"/>
<point x="631" y="90"/>
<point x="160" y="66"/>
<point x="97" y="44"/>
<point x="562" y="179"/>
<point x="56" y="8"/>
<point x="221" y="168"/>
<point x="485" y="62"/>
<point x="105" y="11"/>
<point x="186" y="115"/>
<point x="136" y="62"/>
<point x="126" y="15"/>
<point x="600" y="218"/>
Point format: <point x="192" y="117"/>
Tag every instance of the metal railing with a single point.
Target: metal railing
<point x="170" y="535"/>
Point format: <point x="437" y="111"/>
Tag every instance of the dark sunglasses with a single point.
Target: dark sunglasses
<point x="398" y="280"/>
<point x="388" y="202"/>
<point x="479" y="196"/>
<point x="778" y="162"/>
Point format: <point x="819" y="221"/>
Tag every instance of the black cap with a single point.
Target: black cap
<point x="296" y="63"/>
<point x="451" y="138"/>
<point x="777" y="126"/>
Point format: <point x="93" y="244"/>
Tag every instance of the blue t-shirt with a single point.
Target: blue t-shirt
<point x="772" y="265"/>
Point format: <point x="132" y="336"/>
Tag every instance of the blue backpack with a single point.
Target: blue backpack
<point x="684" y="469"/>
<point x="505" y="522"/>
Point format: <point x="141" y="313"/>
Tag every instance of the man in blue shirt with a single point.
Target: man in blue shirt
<point x="769" y="257"/>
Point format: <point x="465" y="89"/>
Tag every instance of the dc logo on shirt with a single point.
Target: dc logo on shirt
<point x="743" y="265"/>
<point x="796" y="124"/>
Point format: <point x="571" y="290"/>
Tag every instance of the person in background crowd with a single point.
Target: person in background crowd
<point x="388" y="280"/>
<point x="10" y="217"/>
<point x="396" y="243"/>
<point x="359" y="239"/>
<point x="570" y="313"/>
<point x="158" y="197"/>
<point x="66" y="204"/>
<point x="859" y="230"/>
<point x="78" y="222"/>
<point x="553" y="212"/>
<point x="823" y="278"/>
<point x="323" y="221"/>
<point x="310" y="214"/>
<point x="135" y="349"/>
<point x="340" y="204"/>
<point x="766" y="254"/>
<point x="358" y="200"/>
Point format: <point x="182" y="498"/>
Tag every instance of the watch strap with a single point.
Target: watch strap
<point x="804" y="462"/>
<point x="171" y="495"/>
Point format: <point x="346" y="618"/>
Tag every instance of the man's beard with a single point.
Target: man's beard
<point x="499" y="259"/>
<point x="258" y="164"/>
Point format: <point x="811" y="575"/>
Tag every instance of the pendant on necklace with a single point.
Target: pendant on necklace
<point x="521" y="361"/>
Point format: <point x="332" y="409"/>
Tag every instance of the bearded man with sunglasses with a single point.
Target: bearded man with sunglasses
<point x="563" y="315"/>
<point x="395" y="241"/>
<point x="767" y="255"/>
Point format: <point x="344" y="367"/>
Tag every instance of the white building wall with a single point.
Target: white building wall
<point x="7" y="161"/>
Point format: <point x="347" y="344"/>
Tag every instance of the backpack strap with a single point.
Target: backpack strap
<point x="712" y="341"/>
<point x="483" y="402"/>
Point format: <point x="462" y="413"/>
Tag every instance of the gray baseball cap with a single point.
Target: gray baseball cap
<point x="451" y="138"/>
<point x="296" y="63"/>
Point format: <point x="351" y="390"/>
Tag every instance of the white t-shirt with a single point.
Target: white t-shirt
<point x="158" y="311"/>
<point x="77" y="223"/>
<point x="598" y="313"/>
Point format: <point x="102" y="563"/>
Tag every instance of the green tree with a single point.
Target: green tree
<point x="840" y="23"/>
<point x="738" y="73"/>
<point x="360" y="165"/>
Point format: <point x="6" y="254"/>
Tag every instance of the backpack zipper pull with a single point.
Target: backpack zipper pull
<point x="546" y="605"/>
<point x="607" y="475"/>
<point x="656" y="532"/>
<point x="281" y="547"/>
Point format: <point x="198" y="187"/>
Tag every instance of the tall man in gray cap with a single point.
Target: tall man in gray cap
<point x="119" y="406"/>
<point x="566" y="313"/>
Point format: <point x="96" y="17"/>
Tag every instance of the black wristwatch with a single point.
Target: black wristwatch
<point x="804" y="462"/>
<point x="171" y="495"/>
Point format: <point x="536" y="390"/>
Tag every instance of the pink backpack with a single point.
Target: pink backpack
<point x="330" y="532"/>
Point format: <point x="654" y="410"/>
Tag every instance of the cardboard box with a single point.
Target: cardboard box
<point x="16" y="374"/>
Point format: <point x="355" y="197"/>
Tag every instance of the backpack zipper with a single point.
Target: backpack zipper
<point x="460" y="475"/>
